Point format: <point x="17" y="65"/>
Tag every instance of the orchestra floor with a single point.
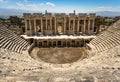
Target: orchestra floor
<point x="58" y="55"/>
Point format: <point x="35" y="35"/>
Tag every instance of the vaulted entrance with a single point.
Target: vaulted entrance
<point x="59" y="43"/>
<point x="60" y="28"/>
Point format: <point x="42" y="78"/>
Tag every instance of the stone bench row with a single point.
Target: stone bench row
<point x="97" y="41"/>
<point x="9" y="55"/>
<point x="23" y="43"/>
<point x="26" y="64"/>
<point x="12" y="36"/>
<point x="107" y="43"/>
<point x="103" y="37"/>
<point x="11" y="41"/>
<point x="16" y="40"/>
<point x="8" y="44"/>
<point x="107" y="33"/>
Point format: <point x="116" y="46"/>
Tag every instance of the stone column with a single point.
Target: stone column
<point x="93" y="23"/>
<point x="84" y="25"/>
<point x="26" y="25"/>
<point x="78" y="27"/>
<point x="41" y="26"/>
<point x="64" y="26"/>
<point x="30" y="26"/>
<point x="46" y="26"/>
<point x="35" y="26"/>
<point x="69" y="26"/>
<point x="51" y="24"/>
<point x="89" y="25"/>
<point x="55" y="25"/>
<point x="73" y="26"/>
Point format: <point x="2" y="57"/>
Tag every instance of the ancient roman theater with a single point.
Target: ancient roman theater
<point x="60" y="48"/>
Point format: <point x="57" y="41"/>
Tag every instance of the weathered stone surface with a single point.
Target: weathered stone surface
<point x="102" y="66"/>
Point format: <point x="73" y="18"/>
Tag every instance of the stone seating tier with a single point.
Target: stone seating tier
<point x="9" y="40"/>
<point x="107" y="39"/>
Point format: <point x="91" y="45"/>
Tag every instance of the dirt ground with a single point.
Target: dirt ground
<point x="58" y="55"/>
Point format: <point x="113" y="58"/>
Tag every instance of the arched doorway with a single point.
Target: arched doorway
<point x="60" y="28"/>
<point x="60" y="31"/>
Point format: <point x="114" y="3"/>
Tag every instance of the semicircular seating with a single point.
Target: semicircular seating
<point x="107" y="39"/>
<point x="9" y="40"/>
<point x="102" y="66"/>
